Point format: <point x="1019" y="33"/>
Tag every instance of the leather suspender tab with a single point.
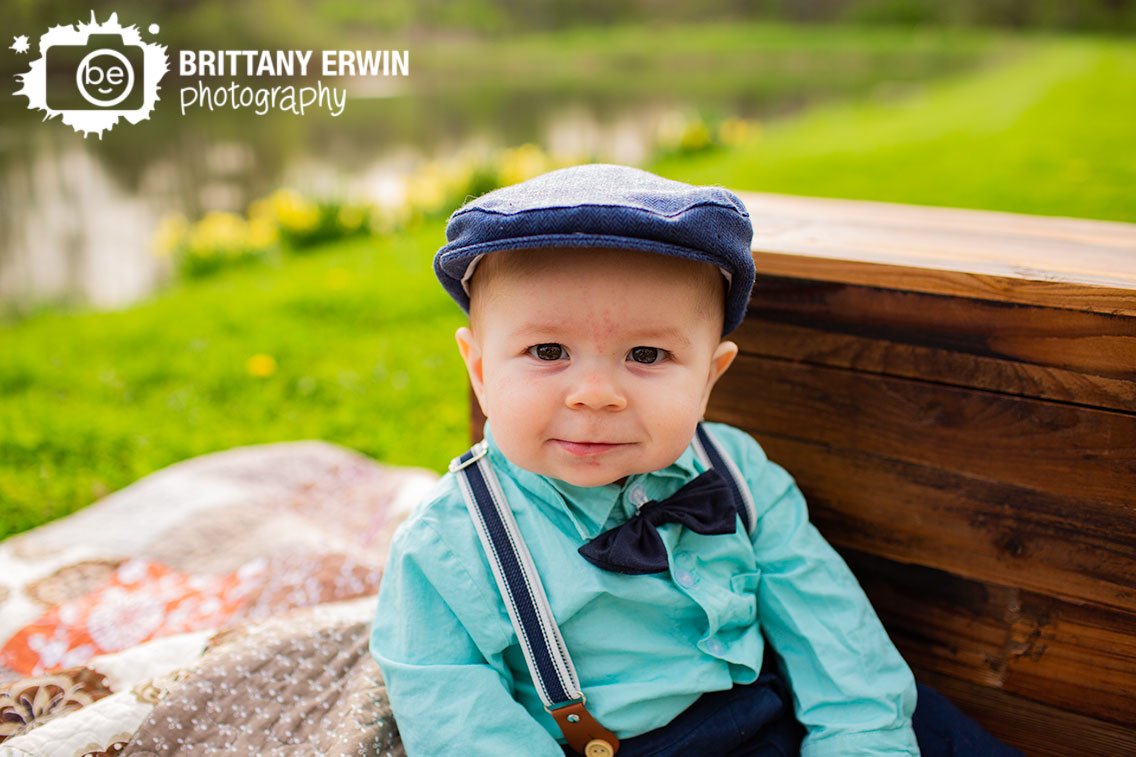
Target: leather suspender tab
<point x="584" y="733"/>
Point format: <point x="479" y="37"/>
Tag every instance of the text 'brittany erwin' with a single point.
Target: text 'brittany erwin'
<point x="291" y="63"/>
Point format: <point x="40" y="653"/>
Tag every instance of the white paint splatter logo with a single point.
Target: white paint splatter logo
<point x="93" y="74"/>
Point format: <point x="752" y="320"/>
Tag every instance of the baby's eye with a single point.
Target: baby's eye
<point x="647" y="355"/>
<point x="549" y="351"/>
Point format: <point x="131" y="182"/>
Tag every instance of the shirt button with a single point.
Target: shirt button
<point x="637" y="495"/>
<point x="715" y="647"/>
<point x="684" y="577"/>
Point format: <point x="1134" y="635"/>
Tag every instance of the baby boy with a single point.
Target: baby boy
<point x="606" y="572"/>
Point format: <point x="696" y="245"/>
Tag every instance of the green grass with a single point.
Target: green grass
<point x="1050" y="133"/>
<point x="361" y="334"/>
<point x="735" y="62"/>
<point x="727" y="69"/>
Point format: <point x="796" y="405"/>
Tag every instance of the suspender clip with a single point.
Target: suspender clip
<point x="581" y="700"/>
<point x="479" y="451"/>
<point x="582" y="731"/>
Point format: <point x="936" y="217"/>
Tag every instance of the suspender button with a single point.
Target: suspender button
<point x="598" y="748"/>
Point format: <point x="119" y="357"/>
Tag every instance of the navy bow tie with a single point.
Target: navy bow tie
<point x="705" y="505"/>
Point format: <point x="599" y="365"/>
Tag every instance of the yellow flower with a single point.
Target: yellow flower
<point x="170" y="235"/>
<point x="261" y="233"/>
<point x="696" y="136"/>
<point x="261" y="210"/>
<point x="217" y="231"/>
<point x="521" y="163"/>
<point x="425" y="189"/>
<point x="734" y="131"/>
<point x="261" y="365"/>
<point x="293" y="212"/>
<point x="351" y="217"/>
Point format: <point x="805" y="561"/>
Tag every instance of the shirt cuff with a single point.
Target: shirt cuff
<point x="896" y="741"/>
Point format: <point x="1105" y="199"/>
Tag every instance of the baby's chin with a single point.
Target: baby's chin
<point x="579" y="473"/>
<point x="590" y="481"/>
<point x="592" y="468"/>
<point x="592" y="474"/>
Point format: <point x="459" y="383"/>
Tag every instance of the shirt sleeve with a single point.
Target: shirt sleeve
<point x="448" y="694"/>
<point x="852" y="690"/>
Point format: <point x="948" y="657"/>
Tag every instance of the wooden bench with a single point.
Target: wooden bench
<point x="955" y="392"/>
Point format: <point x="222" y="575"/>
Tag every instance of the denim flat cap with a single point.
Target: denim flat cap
<point x="604" y="206"/>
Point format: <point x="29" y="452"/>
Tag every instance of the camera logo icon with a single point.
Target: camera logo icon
<point x="105" y="73"/>
<point x="94" y="74"/>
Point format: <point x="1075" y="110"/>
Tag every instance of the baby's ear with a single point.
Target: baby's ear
<point x="470" y="349"/>
<point x="721" y="359"/>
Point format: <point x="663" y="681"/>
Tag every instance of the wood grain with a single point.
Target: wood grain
<point x="1075" y="658"/>
<point x="1054" y="262"/>
<point x="1080" y="550"/>
<point x="1066" y="356"/>
<point x="1067" y="450"/>
<point x="1036" y="729"/>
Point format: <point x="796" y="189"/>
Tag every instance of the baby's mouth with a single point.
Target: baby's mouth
<point x="587" y="449"/>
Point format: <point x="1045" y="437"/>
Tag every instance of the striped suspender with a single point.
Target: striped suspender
<point x="537" y="631"/>
<point x="539" y="635"/>
<point x="520" y="586"/>
<point x="708" y="450"/>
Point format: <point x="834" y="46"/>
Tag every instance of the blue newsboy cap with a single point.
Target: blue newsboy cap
<point x="604" y="206"/>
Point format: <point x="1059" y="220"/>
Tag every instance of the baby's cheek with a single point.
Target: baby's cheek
<point x="506" y="391"/>
<point x="517" y="412"/>
<point x="671" y="435"/>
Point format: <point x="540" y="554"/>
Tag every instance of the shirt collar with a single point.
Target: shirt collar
<point x="591" y="507"/>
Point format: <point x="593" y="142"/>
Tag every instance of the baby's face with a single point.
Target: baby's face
<point x="593" y="365"/>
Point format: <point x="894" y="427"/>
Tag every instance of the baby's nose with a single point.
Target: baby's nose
<point x="598" y="391"/>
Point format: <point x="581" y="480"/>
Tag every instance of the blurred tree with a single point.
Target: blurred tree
<point x="291" y="21"/>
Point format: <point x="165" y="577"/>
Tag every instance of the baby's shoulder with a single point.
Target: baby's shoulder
<point x="441" y="519"/>
<point x="444" y="497"/>
<point x="739" y="445"/>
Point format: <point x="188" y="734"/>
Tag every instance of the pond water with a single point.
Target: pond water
<point x="77" y="217"/>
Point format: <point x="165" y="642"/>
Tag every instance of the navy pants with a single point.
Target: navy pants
<point x="758" y="720"/>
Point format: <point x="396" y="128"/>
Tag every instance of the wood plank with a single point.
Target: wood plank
<point x="1055" y="653"/>
<point x="1036" y="729"/>
<point x="1053" y="262"/>
<point x="1103" y="298"/>
<point x="939" y="621"/>
<point x="1066" y="450"/>
<point x="1076" y="655"/>
<point x="874" y="355"/>
<point x="1103" y="345"/>
<point x="1080" y="550"/>
<point x="1062" y="355"/>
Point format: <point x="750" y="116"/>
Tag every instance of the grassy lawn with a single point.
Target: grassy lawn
<point x="737" y="62"/>
<point x="1049" y="133"/>
<point x="360" y="335"/>
<point x="353" y="343"/>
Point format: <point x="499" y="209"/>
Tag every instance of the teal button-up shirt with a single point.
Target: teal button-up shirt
<point x="645" y="647"/>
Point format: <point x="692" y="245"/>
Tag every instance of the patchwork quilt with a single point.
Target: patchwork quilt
<point x="220" y="606"/>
